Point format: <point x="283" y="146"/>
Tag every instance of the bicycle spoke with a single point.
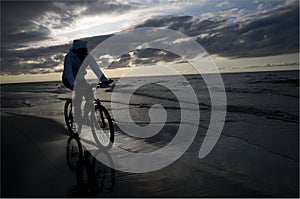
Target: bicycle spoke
<point x="104" y="129"/>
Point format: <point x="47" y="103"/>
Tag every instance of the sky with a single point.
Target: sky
<point x="248" y="35"/>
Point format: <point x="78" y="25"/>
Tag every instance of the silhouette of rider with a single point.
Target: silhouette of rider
<point x="75" y="64"/>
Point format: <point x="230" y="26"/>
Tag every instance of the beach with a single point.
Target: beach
<point x="257" y="154"/>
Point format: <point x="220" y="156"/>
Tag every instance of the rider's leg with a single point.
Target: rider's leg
<point x="89" y="102"/>
<point x="103" y="78"/>
<point x="67" y="84"/>
<point x="77" y="101"/>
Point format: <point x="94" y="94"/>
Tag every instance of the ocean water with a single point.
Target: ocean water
<point x="30" y="94"/>
<point x="256" y="155"/>
<point x="278" y="87"/>
<point x="269" y="95"/>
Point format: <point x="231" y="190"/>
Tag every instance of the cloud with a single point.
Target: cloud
<point x="142" y="57"/>
<point x="17" y="27"/>
<point x="228" y="15"/>
<point x="222" y="4"/>
<point x="104" y="7"/>
<point x="231" y="33"/>
<point x="274" y="65"/>
<point x="27" y="24"/>
<point x="260" y="7"/>
<point x="41" y="58"/>
<point x="26" y="61"/>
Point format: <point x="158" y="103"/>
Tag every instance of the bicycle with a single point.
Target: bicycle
<point x="101" y="121"/>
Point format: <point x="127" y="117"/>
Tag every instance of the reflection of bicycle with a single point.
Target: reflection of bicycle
<point x="101" y="123"/>
<point x="92" y="176"/>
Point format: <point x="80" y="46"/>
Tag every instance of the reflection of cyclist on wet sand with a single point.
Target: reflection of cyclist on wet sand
<point x="78" y="57"/>
<point x="93" y="177"/>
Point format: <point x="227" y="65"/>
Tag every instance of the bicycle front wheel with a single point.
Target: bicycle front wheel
<point x="103" y="129"/>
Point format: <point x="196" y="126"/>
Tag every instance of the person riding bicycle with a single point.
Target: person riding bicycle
<point x="78" y="56"/>
<point x="75" y="64"/>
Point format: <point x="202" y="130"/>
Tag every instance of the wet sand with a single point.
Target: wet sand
<point x="34" y="165"/>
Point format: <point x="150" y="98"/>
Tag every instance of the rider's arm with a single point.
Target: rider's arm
<point x="96" y="69"/>
<point x="68" y="72"/>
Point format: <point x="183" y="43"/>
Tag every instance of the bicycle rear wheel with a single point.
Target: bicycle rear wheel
<point x="103" y="130"/>
<point x="69" y="118"/>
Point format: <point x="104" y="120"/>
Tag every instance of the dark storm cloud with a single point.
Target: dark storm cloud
<point x="271" y="32"/>
<point x="105" y="7"/>
<point x="17" y="27"/>
<point x="30" y="21"/>
<point x="25" y="22"/>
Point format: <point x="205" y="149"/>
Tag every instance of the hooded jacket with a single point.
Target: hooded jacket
<point x="72" y="65"/>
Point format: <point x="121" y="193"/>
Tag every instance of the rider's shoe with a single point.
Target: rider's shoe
<point x="106" y="84"/>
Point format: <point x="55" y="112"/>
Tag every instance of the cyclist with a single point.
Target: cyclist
<point x="76" y="58"/>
